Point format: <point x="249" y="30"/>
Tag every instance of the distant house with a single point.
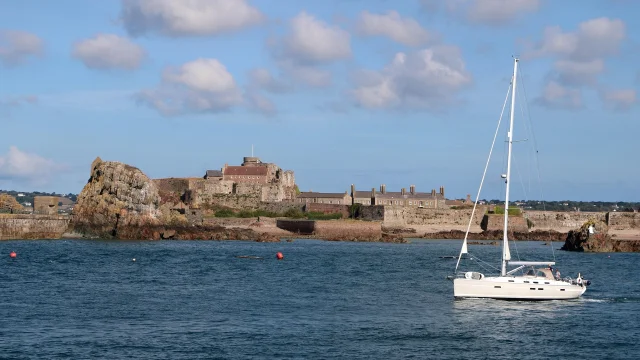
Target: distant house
<point x="324" y="198"/>
<point x="20" y="195"/>
<point x="399" y="198"/>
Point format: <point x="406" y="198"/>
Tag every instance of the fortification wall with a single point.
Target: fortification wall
<point x="561" y="221"/>
<point x="171" y="189"/>
<point x="623" y="221"/>
<point x="492" y="222"/>
<point x="21" y="226"/>
<point x="348" y="230"/>
<point x="334" y="229"/>
<point x="328" y="209"/>
<point x="407" y="216"/>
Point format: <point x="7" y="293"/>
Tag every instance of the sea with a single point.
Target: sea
<point x="89" y="299"/>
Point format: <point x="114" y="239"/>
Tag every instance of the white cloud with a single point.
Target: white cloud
<point x="188" y="17"/>
<point x="595" y="38"/>
<point x="309" y="45"/>
<point x="579" y="73"/>
<point x="17" y="46"/>
<point x="202" y="85"/>
<point x="485" y="12"/>
<point x="556" y="96"/>
<point x="262" y="79"/>
<point x="109" y="51"/>
<point x="314" y="41"/>
<point x="406" y="31"/>
<point x="579" y="58"/>
<point x="19" y="165"/>
<point x="261" y="104"/>
<point x="429" y="78"/>
<point x="619" y="100"/>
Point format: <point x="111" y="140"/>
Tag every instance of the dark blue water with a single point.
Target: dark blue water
<point x="196" y="299"/>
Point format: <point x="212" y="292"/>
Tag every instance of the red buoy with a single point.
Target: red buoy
<point x="279" y="256"/>
<point x="13" y="254"/>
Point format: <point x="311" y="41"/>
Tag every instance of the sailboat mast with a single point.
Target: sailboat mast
<point x="505" y="245"/>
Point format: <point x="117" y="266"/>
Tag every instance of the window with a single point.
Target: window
<point x="410" y="203"/>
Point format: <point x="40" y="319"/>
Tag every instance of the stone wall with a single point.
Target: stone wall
<point x="623" y="220"/>
<point x="372" y="213"/>
<point x="397" y="216"/>
<point x="171" y="189"/>
<point x="492" y="222"/>
<point x="22" y="226"/>
<point x="334" y="229"/>
<point x="303" y="227"/>
<point x="328" y="209"/>
<point x="348" y="230"/>
<point x="561" y="221"/>
<point x="45" y="205"/>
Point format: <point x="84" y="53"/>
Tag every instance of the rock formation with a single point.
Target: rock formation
<point x="9" y="204"/>
<point x="116" y="196"/>
<point x="600" y="241"/>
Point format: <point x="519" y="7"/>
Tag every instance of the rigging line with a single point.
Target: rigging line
<point x="475" y="204"/>
<point x="537" y="161"/>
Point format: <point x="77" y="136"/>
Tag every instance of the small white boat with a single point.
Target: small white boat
<point x="538" y="282"/>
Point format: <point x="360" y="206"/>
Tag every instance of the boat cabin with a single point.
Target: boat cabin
<point x="540" y="272"/>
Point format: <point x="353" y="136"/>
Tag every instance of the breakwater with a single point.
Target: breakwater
<point x="27" y="226"/>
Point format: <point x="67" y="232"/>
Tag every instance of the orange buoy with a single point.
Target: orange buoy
<point x="279" y="256"/>
<point x="13" y="254"/>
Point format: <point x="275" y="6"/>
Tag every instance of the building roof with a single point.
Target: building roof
<point x="214" y="173"/>
<point x="311" y="194"/>
<point x="245" y="170"/>
<point x="398" y="195"/>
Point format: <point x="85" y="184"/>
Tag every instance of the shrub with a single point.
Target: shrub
<point x="322" y="216"/>
<point x="224" y="213"/>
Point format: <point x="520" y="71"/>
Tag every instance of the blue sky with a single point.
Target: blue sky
<point x="341" y="92"/>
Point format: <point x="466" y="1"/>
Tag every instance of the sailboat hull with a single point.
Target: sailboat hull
<point x="515" y="288"/>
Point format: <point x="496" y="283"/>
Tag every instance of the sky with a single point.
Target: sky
<point x="341" y="92"/>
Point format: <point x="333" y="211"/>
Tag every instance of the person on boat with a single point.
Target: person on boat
<point x="557" y="274"/>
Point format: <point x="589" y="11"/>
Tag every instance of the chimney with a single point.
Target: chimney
<point x="373" y="192"/>
<point x="353" y="190"/>
<point x="468" y="198"/>
<point x="412" y="189"/>
<point x="442" y="191"/>
<point x="433" y="192"/>
<point x="382" y="189"/>
<point x="402" y="191"/>
<point x="226" y="164"/>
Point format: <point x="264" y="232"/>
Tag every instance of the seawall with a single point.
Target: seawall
<point x="27" y="226"/>
<point x="334" y="229"/>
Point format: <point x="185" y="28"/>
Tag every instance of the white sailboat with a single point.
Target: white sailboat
<point x="538" y="282"/>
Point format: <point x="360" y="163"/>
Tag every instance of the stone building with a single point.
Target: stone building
<point x="252" y="179"/>
<point x="45" y="205"/>
<point x="324" y="198"/>
<point x="412" y="198"/>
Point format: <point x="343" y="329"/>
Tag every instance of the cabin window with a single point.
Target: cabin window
<point x="540" y="288"/>
<point x="511" y="280"/>
<point x="532" y="288"/>
<point x="561" y="289"/>
<point x="497" y="287"/>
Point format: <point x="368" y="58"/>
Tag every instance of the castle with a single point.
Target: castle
<point x="245" y="185"/>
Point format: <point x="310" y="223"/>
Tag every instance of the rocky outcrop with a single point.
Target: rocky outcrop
<point x="599" y="241"/>
<point x="117" y="196"/>
<point x="9" y="204"/>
